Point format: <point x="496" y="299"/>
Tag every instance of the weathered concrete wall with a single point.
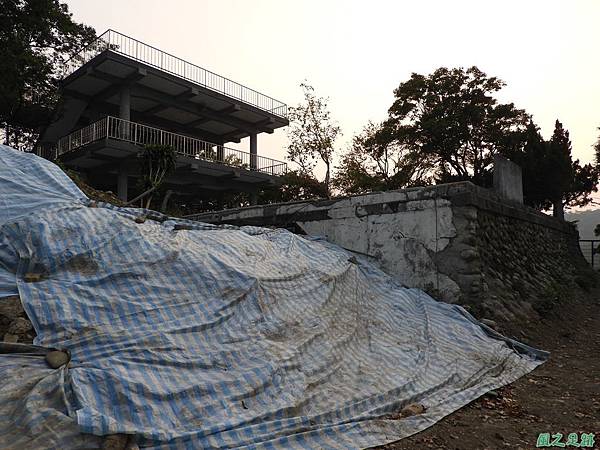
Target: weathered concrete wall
<point x="459" y="242"/>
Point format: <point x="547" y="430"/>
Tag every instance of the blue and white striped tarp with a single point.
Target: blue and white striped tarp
<point x="218" y="337"/>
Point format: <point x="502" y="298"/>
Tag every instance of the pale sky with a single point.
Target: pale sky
<point x="357" y="52"/>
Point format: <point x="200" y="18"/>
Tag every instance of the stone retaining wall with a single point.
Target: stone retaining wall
<point x="461" y="243"/>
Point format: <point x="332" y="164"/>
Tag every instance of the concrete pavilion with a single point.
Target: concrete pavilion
<point x="119" y="94"/>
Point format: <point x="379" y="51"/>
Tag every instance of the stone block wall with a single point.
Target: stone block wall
<point x="461" y="243"/>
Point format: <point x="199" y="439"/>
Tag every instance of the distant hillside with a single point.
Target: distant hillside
<point x="586" y="222"/>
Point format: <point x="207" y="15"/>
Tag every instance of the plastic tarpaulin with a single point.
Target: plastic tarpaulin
<point x="189" y="335"/>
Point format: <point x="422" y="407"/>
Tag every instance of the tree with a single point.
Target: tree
<point x="158" y="162"/>
<point x="36" y="37"/>
<point x="572" y="183"/>
<point x="374" y="162"/>
<point x="597" y="151"/>
<point x="451" y="125"/>
<point x="312" y="134"/>
<point x="447" y="126"/>
<point x="295" y="185"/>
<point x="531" y="157"/>
<point x="551" y="179"/>
<point x="560" y="168"/>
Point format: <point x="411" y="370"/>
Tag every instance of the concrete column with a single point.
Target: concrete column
<point x="125" y="103"/>
<point x="125" y="112"/>
<point x="253" y="150"/>
<point x="220" y="153"/>
<point x="122" y="184"/>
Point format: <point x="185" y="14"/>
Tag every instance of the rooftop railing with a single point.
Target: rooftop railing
<point x="134" y="49"/>
<point x="136" y="133"/>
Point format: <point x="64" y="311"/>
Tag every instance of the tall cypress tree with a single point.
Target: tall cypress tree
<point x="560" y="170"/>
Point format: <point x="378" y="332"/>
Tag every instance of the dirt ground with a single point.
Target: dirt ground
<point x="560" y="396"/>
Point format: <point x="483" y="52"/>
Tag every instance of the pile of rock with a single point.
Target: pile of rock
<point x="14" y="324"/>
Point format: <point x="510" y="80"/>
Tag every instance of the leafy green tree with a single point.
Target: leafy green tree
<point x="157" y="163"/>
<point x="312" y="134"/>
<point x="295" y="185"/>
<point x="450" y="124"/>
<point x="35" y="38"/>
<point x="374" y="162"/>
<point x="447" y="126"/>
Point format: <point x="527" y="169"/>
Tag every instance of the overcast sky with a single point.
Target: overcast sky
<point x="357" y="52"/>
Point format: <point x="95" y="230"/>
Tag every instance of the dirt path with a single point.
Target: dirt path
<point x="561" y="396"/>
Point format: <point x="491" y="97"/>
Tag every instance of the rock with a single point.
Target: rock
<point x="157" y="217"/>
<point x="32" y="277"/>
<point x="11" y="338"/>
<point x="56" y="359"/>
<point x="11" y="307"/>
<point x="20" y="326"/>
<point x="469" y="254"/>
<point x="412" y="410"/>
<point x="140" y="219"/>
<point x="490" y="323"/>
<point x="114" y="442"/>
<point x="119" y="442"/>
<point x="493" y="394"/>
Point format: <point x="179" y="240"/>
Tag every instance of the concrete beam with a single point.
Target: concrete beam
<point x="189" y="94"/>
<point x="155" y="109"/>
<point x="264" y="125"/>
<point x="136" y="116"/>
<point x="234" y="174"/>
<point x="233" y="136"/>
<point x="193" y="108"/>
<point x="116" y="82"/>
<point x="231" y="109"/>
<point x="197" y="122"/>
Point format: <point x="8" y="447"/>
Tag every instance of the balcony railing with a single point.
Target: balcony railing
<point x="134" y="49"/>
<point x="124" y="130"/>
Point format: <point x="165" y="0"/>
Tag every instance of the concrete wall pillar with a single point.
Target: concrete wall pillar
<point x="508" y="180"/>
<point x="125" y="103"/>
<point x="122" y="184"/>
<point x="253" y="150"/>
<point x="220" y="153"/>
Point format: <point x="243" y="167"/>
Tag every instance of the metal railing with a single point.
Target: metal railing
<point x="136" y="133"/>
<point x="590" y="248"/>
<point x="134" y="49"/>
